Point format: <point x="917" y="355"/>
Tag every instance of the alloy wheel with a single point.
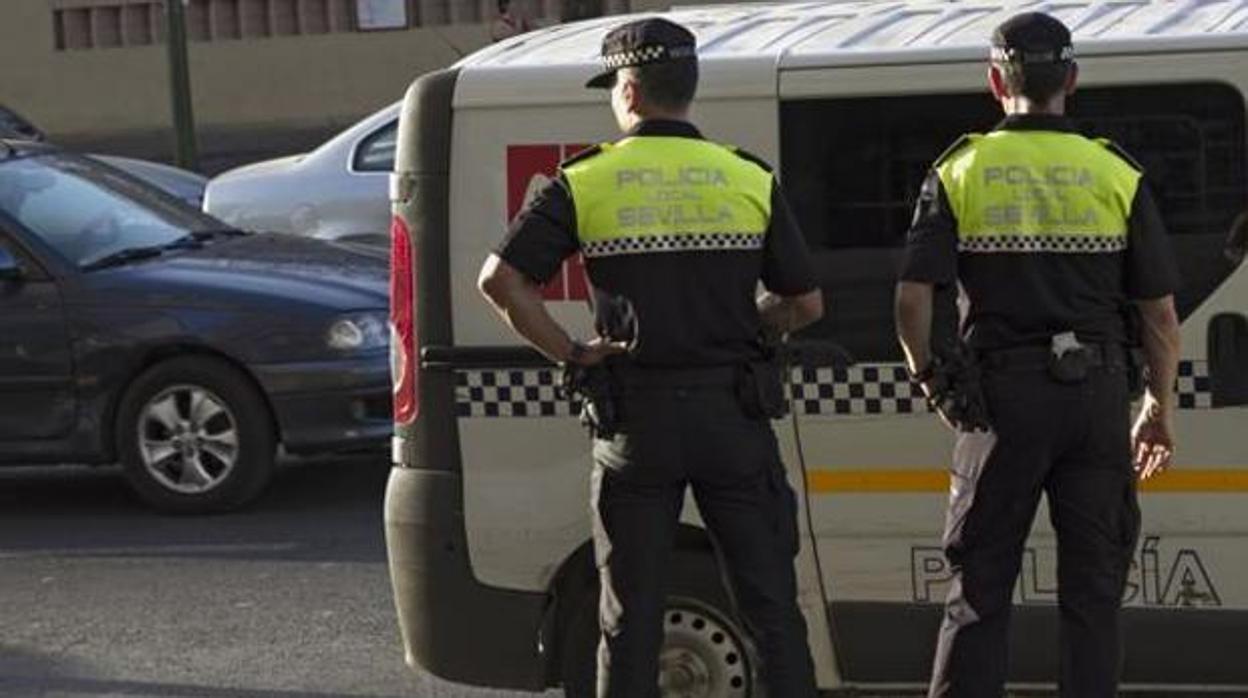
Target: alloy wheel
<point x="188" y="439"/>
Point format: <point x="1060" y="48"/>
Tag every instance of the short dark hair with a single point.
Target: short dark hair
<point x="1038" y="82"/>
<point x="667" y="85"/>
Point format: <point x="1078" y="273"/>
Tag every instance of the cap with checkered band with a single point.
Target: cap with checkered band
<point x="644" y="42"/>
<point x="1030" y="38"/>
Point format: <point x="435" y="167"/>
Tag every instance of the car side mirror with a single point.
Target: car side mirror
<point x="10" y="269"/>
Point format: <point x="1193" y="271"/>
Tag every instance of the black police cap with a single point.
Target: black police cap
<point x="644" y="42"/>
<point x="1032" y="37"/>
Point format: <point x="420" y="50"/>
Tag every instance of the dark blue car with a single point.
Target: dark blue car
<point x="134" y="328"/>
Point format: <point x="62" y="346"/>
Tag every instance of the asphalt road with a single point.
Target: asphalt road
<point x="101" y="597"/>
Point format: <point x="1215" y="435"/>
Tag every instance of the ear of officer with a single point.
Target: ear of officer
<point x="632" y="106"/>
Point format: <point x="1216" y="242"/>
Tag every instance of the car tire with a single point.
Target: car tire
<point x="705" y="653"/>
<point x="195" y="436"/>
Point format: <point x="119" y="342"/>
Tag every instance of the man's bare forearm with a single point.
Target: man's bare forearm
<point x="914" y="323"/>
<point x="784" y="314"/>
<point x="777" y="316"/>
<point x="1159" y="326"/>
<point x="518" y="301"/>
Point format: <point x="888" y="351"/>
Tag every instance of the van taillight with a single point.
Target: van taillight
<point x="404" y="366"/>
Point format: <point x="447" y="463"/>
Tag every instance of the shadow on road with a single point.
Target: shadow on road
<point x="316" y="509"/>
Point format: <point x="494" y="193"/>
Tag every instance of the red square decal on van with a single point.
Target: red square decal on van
<point x="529" y="168"/>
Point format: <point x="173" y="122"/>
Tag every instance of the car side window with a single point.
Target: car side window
<point x="852" y="168"/>
<point x="376" y="152"/>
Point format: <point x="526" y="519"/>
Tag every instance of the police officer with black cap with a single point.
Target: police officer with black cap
<point x="677" y="232"/>
<point x="1055" y="243"/>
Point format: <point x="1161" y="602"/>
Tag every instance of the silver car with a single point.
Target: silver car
<point x="336" y="192"/>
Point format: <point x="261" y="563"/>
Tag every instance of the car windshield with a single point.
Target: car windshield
<point x="88" y="212"/>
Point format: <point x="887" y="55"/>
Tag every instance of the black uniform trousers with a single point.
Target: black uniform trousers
<point x="1072" y="442"/>
<point x="688" y="435"/>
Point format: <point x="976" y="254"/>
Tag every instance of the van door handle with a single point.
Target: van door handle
<point x="466" y="358"/>
<point x="1237" y="241"/>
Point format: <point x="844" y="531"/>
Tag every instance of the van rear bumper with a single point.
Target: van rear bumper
<point x="454" y="626"/>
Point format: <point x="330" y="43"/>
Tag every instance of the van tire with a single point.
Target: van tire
<point x="703" y="640"/>
<point x="233" y="435"/>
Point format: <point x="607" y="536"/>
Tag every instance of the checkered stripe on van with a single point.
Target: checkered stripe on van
<point x="1193" y="387"/>
<point x="512" y="393"/>
<point x="863" y="389"/>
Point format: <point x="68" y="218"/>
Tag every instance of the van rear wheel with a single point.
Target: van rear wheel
<point x="705" y="652"/>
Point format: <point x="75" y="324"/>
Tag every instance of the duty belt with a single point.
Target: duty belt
<point x="1037" y="357"/>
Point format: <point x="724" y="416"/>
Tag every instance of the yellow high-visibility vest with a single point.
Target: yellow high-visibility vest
<point x="666" y="194"/>
<point x="1038" y="191"/>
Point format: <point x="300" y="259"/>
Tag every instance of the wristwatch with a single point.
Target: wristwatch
<point x="924" y="375"/>
<point x="577" y="353"/>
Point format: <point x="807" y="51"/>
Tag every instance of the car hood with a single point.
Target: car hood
<point x="265" y="273"/>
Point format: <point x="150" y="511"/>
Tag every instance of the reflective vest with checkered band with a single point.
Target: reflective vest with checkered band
<point x="648" y="194"/>
<point x="1038" y="191"/>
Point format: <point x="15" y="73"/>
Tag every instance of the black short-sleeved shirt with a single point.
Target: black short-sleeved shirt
<point x="679" y="309"/>
<point x="1023" y="298"/>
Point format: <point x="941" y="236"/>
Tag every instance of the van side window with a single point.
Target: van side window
<point x="852" y="168"/>
<point x="376" y="152"/>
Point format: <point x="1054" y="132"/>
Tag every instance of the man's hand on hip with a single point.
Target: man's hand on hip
<point x="596" y="351"/>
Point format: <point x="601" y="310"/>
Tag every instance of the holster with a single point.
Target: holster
<point x="592" y="386"/>
<point x="1070" y="366"/>
<point x="958" y="390"/>
<point x="760" y="389"/>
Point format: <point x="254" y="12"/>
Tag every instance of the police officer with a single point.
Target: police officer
<point x="1052" y="238"/>
<point x="676" y="232"/>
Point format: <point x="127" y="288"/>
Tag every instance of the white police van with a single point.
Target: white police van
<point x="487" y="509"/>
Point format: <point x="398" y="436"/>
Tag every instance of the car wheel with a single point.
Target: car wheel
<point x="705" y="652"/>
<point x="195" y="436"/>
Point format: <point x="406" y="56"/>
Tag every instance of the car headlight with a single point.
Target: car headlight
<point x="358" y="332"/>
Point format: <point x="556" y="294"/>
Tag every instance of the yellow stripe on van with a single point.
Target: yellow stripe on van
<point x="872" y="481"/>
<point x="931" y="480"/>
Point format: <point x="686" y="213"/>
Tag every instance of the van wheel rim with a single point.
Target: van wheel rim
<point x="188" y="439"/>
<point x="702" y="657"/>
